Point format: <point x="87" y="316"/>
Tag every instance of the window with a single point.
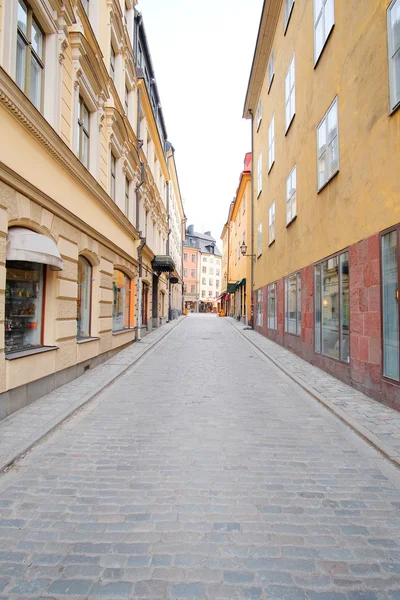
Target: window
<point x="259" y="174"/>
<point x="259" y="239"/>
<point x="84" y="297"/>
<point x="390" y="305"/>
<point x="271" y="223"/>
<point x="127" y="196"/>
<point x="112" y="64"/>
<point x="393" y="15"/>
<point x="185" y="256"/>
<point x="271" y="143"/>
<point x="324" y="20"/>
<point x="210" y="282"/>
<point x="244" y="203"/>
<point x="272" y="312"/>
<point x="217" y="284"/>
<point x="271" y="69"/>
<point x="192" y="273"/>
<point x="211" y="271"/>
<point x="259" y="113"/>
<point x="126" y="100"/>
<point x="185" y="272"/>
<point x="204" y="281"/>
<point x="83" y="133"/>
<point x="185" y="288"/>
<point x="290" y="95"/>
<point x="212" y="261"/>
<point x="23" y="305"/>
<point x="192" y="289"/>
<point x="239" y="251"/>
<point x="112" y="177"/>
<point x="204" y="259"/>
<point x="29" y="63"/>
<point x="259" y="309"/>
<point x="327" y="146"/>
<point x="121" y="301"/>
<point x="288" y="11"/>
<point x="210" y="294"/>
<point x="217" y="271"/>
<point x="204" y="269"/>
<point x="293" y="304"/>
<point x="193" y="258"/>
<point x="291" y="201"/>
<point x="86" y="6"/>
<point x="203" y="293"/>
<point x="332" y="307"/>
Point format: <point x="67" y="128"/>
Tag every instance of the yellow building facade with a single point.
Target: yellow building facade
<point x="323" y="96"/>
<point x="236" y="238"/>
<point x="83" y="191"/>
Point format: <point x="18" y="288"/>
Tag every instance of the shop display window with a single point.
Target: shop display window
<point x="23" y="306"/>
<point x="121" y="301"/>
<point x="84" y="298"/>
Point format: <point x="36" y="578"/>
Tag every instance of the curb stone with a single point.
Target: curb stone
<point x="357" y="427"/>
<point x="118" y="367"/>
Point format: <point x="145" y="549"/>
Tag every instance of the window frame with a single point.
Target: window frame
<point x="30" y="53"/>
<point x="271" y="143"/>
<point x="287" y="13"/>
<point x="271" y="68"/>
<point x="382" y="234"/>
<point x="292" y="90"/>
<point x="290" y="199"/>
<point x="259" y="174"/>
<point x="327" y="35"/>
<point x="127" y="199"/>
<point x="89" y="264"/>
<point x="296" y="274"/>
<point x="259" y="239"/>
<point x="394" y="103"/>
<point x="275" y="316"/>
<point x="271" y="223"/>
<point x="126" y="277"/>
<point x="259" y="308"/>
<point x="259" y="114"/>
<point x="319" y="264"/>
<point x="113" y="162"/>
<point x="327" y="145"/>
<point x="83" y="131"/>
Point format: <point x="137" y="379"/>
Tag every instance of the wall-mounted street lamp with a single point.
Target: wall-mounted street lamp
<point x="243" y="250"/>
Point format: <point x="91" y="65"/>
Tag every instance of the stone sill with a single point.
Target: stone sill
<point x="23" y="353"/>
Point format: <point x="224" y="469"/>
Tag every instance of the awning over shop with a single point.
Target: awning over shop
<point x="163" y="264"/>
<point x="240" y="283"/>
<point x="24" y="244"/>
<point x="231" y="288"/>
<point x="221" y="296"/>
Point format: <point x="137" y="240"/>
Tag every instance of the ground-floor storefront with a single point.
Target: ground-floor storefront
<point x="69" y="299"/>
<point x="342" y="314"/>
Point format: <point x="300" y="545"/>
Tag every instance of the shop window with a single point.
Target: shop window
<point x="259" y="308"/>
<point x="332" y="307"/>
<point x="293" y="304"/>
<point x="29" y="64"/>
<point x="390" y="305"/>
<point x="24" y="298"/>
<point x="272" y="320"/>
<point x="121" y="301"/>
<point x="84" y="298"/>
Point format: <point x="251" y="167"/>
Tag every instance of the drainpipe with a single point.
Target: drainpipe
<point x="167" y="251"/>
<point x="227" y="266"/>
<point x="140" y="256"/>
<point x="252" y="224"/>
<point x="183" y="223"/>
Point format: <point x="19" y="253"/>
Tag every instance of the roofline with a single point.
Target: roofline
<point x="266" y="31"/>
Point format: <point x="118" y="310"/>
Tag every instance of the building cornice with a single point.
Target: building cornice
<point x="27" y="189"/>
<point x="16" y="103"/>
<point x="265" y="37"/>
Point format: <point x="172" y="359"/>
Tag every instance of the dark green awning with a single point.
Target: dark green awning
<point x="231" y="288"/>
<point x="163" y="264"/>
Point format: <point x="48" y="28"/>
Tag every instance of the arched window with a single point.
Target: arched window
<point x="121" y="301"/>
<point x="84" y="298"/>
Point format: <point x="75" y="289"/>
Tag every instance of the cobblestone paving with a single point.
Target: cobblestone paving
<point x="202" y="473"/>
<point x="376" y="418"/>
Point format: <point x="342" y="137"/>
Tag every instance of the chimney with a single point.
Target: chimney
<point x="190" y="230"/>
<point x="207" y="233"/>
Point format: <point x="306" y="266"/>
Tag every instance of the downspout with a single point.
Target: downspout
<point x="142" y="239"/>
<point x="183" y="223"/>
<point x="140" y="291"/>
<point x="251" y="323"/>
<point x="167" y="251"/>
<point x="227" y="268"/>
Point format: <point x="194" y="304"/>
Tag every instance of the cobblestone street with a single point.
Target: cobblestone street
<point x="203" y="472"/>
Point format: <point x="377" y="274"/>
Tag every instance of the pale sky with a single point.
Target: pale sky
<point x="202" y="55"/>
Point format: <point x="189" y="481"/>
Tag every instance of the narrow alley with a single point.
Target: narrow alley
<point x="204" y="474"/>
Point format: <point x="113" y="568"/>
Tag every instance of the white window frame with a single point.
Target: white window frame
<point x="291" y="196"/>
<point x="298" y="304"/>
<point x="271" y="69"/>
<point x="275" y="313"/>
<point x="394" y="86"/>
<point x="259" y="114"/>
<point x="259" y="174"/>
<point x="320" y="19"/>
<point x="289" y="4"/>
<point x="259" y="239"/>
<point x="259" y="315"/>
<point x="271" y="143"/>
<point x="290" y="93"/>
<point x="325" y="151"/>
<point x="271" y="223"/>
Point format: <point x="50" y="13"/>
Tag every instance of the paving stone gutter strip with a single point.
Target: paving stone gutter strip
<point x="20" y="431"/>
<point x="372" y="438"/>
